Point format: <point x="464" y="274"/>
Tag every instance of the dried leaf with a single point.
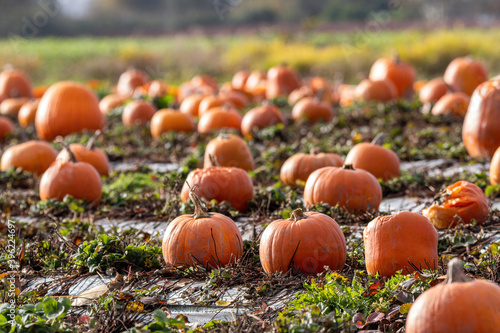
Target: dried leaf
<point x="359" y="320"/>
<point x="89" y="295"/>
<point x="373" y="289"/>
<point x="135" y="306"/>
<point x="223" y="303"/>
<point x="375" y="317"/>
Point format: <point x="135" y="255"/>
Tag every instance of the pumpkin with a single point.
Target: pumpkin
<point x="138" y="112"/>
<point x="78" y="179"/>
<point x="191" y="104"/>
<point x="112" y="101"/>
<point x="27" y="113"/>
<point x="346" y="94"/>
<point x="189" y="88"/>
<point x="39" y="91"/>
<point x="381" y="162"/>
<point x="457" y="305"/>
<point x="67" y="107"/>
<point x="236" y="98"/>
<point x="209" y="239"/>
<point x="356" y="191"/>
<point x="256" y="85"/>
<point x="204" y="80"/>
<point x="465" y="74"/>
<point x="240" y="79"/>
<point x="10" y="107"/>
<point x="433" y="90"/>
<point x="14" y="83"/>
<point x="94" y="156"/>
<point x="281" y="81"/>
<point x="480" y="132"/>
<point x="306" y="242"/>
<point x="312" y="110"/>
<point x="157" y="88"/>
<point x="31" y="156"/>
<point x="261" y="117"/>
<point x="218" y="118"/>
<point x="6" y="127"/>
<point x="298" y="167"/>
<point x="229" y="184"/>
<point x="229" y="150"/>
<point x="462" y="201"/>
<point x="376" y="90"/>
<point x="130" y="80"/>
<point x="299" y="93"/>
<point x="211" y="102"/>
<point x="392" y="241"/>
<point x="454" y="104"/>
<point x="169" y="120"/>
<point x="399" y="72"/>
<point x="495" y="168"/>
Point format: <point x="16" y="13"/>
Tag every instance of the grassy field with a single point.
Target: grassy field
<point x="177" y="58"/>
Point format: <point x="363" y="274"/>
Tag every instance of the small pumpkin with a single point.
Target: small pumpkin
<point x="465" y="74"/>
<point x="129" y="80"/>
<point x="229" y="184"/>
<point x="191" y="104"/>
<point x="236" y="98"/>
<point x="240" y="79"/>
<point x="39" y="91"/>
<point x="220" y="118"/>
<point x="256" y="85"/>
<point x="204" y="80"/>
<point x="312" y="110"/>
<point x="392" y="241"/>
<point x="157" y="88"/>
<point x="261" y="117"/>
<point x="138" y="112"/>
<point x="433" y="90"/>
<point x="27" y="113"/>
<point x="376" y="90"/>
<point x="454" y="104"/>
<point x="495" y="168"/>
<point x="211" y="102"/>
<point x="381" y="162"/>
<point x="169" y="120"/>
<point x="111" y="102"/>
<point x="306" y="242"/>
<point x="14" y="83"/>
<point x="399" y="72"/>
<point x="298" y="167"/>
<point x="281" y="81"/>
<point x="457" y="305"/>
<point x="356" y="191"/>
<point x="209" y="239"/>
<point x="229" y="150"/>
<point x="6" y="127"/>
<point x="10" y="107"/>
<point x="346" y="94"/>
<point x="463" y="199"/>
<point x="31" y="156"/>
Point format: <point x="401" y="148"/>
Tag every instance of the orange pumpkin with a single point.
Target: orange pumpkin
<point x="27" y="113"/>
<point x="236" y="98"/>
<point x="112" y="101"/>
<point x="473" y="304"/>
<point x="261" y="117"/>
<point x="454" y="104"/>
<point x="376" y="90"/>
<point x="67" y="107"/>
<point x="480" y="132"/>
<point x="130" y="80"/>
<point x="346" y="94"/>
<point x="392" y="241"/>
<point x="229" y="150"/>
<point x="312" y="110"/>
<point x="219" y="118"/>
<point x="462" y="199"/>
<point x="240" y="79"/>
<point x="356" y="191"/>
<point x="39" y="91"/>
<point x="465" y="74"/>
<point x="281" y="81"/>
<point x="256" y="85"/>
<point x="157" y="88"/>
<point x="298" y="167"/>
<point x="6" y="127"/>
<point x="204" y="80"/>
<point x="433" y="90"/>
<point x="209" y="239"/>
<point x="399" y="72"/>
<point x="191" y="104"/>
<point x="211" y="102"/>
<point x="306" y="242"/>
<point x="229" y="184"/>
<point x="495" y="168"/>
<point x="138" y="112"/>
<point x="169" y="120"/>
<point x="10" y="107"/>
<point x="14" y="83"/>
<point x="31" y="156"/>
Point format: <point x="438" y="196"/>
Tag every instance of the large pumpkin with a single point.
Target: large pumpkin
<point x="392" y="241"/>
<point x="14" y="83"/>
<point x="306" y="242"/>
<point x="261" y="117"/>
<point x="480" y="132"/>
<point x="169" y="120"/>
<point x="229" y="150"/>
<point x="356" y="191"/>
<point x="6" y="127"/>
<point x="399" y="72"/>
<point x="462" y="201"/>
<point x="32" y="156"/>
<point x="457" y="305"/>
<point x="209" y="239"/>
<point x="465" y="74"/>
<point x="67" y="107"/>
<point x="298" y="167"/>
<point x="229" y="184"/>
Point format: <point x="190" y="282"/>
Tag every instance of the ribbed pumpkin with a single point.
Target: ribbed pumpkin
<point x="392" y="241"/>
<point x="169" y="120"/>
<point x="14" y="83"/>
<point x="480" y="132"/>
<point x="457" y="305"/>
<point x="463" y="199"/>
<point x="27" y="113"/>
<point x="376" y="90"/>
<point x="281" y="81"/>
<point x="298" y="167"/>
<point x="229" y="150"/>
<point x="229" y="184"/>
<point x="112" y="101"/>
<point x="78" y="179"/>
<point x="6" y="127"/>
<point x="454" y="104"/>
<point x="31" y="156"/>
<point x="433" y="90"/>
<point x="465" y="74"/>
<point x="208" y="239"/>
<point x="130" y="80"/>
<point x="261" y="117"/>
<point x="67" y="107"/>
<point x="381" y="162"/>
<point x="219" y="118"/>
<point x="306" y="242"/>
<point x="10" y="107"/>
<point x="399" y="72"/>
<point x="356" y="191"/>
<point x="138" y="112"/>
<point x="312" y="110"/>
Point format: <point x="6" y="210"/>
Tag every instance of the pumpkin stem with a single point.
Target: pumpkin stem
<point x="93" y="139"/>
<point x="199" y="208"/>
<point x="455" y="272"/>
<point x="315" y="151"/>
<point x="379" y="139"/>
<point x="72" y="157"/>
<point x="213" y="160"/>
<point x="297" y="214"/>
<point x="347" y="167"/>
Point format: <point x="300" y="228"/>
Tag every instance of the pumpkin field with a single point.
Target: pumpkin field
<point x="275" y="183"/>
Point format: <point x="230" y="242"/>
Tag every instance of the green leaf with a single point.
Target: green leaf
<point x="3" y="319"/>
<point x="52" y="308"/>
<point x="160" y="316"/>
